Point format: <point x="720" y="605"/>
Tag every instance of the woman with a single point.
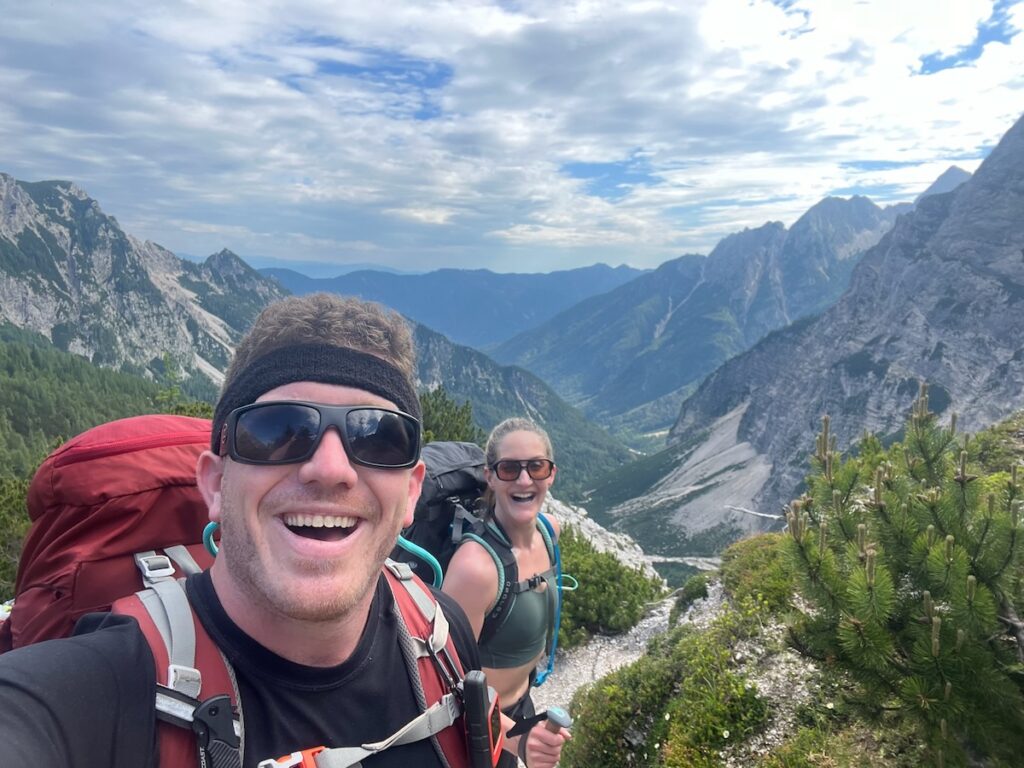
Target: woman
<point x="519" y="469"/>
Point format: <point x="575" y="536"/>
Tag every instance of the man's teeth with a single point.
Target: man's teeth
<point x="319" y="521"/>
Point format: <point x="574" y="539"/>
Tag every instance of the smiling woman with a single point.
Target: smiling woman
<point x="519" y="470"/>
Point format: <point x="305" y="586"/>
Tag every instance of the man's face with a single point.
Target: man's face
<point x="306" y="541"/>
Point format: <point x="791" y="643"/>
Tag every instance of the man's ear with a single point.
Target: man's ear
<point x="209" y="475"/>
<point x="415" y="486"/>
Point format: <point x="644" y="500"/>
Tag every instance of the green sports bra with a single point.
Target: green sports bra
<point x="525" y="627"/>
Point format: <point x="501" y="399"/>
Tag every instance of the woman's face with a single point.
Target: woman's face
<point x="520" y="500"/>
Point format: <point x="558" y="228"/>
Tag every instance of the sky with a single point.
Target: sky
<point x="514" y="135"/>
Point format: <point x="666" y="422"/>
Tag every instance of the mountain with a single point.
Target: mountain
<point x="950" y="179"/>
<point x="630" y="356"/>
<point x="69" y="272"/>
<point x="940" y="300"/>
<point x="319" y="269"/>
<point x="475" y="307"/>
<point x="582" y="449"/>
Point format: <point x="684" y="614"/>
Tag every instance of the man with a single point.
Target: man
<point x="313" y="471"/>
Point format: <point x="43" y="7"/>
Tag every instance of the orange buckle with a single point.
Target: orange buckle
<point x="304" y="759"/>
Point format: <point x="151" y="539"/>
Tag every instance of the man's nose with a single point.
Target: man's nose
<point x="330" y="463"/>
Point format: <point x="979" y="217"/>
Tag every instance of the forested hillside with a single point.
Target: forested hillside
<point x="46" y="394"/>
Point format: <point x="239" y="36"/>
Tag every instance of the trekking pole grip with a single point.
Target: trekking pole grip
<point x="558" y="719"/>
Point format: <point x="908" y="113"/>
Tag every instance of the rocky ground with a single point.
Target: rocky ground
<point x="782" y="677"/>
<point x="602" y="655"/>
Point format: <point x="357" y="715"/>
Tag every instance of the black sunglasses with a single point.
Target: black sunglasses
<point x="289" y="431"/>
<point x="510" y="469"/>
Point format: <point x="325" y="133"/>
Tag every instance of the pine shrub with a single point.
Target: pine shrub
<point x="611" y="597"/>
<point x="911" y="561"/>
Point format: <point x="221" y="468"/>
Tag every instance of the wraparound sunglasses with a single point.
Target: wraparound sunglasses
<point x="289" y="431"/>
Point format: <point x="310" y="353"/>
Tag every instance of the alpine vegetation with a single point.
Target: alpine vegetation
<point x="911" y="559"/>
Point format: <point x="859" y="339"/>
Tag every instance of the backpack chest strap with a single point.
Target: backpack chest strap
<point x="434" y="720"/>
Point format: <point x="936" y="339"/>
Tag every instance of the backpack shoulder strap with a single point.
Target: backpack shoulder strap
<point x="188" y="665"/>
<point x="431" y="656"/>
<point x="489" y="536"/>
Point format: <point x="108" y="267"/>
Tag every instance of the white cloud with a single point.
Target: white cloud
<point x="437" y="132"/>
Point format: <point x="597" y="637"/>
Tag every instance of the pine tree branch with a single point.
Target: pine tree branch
<point x="1015" y="625"/>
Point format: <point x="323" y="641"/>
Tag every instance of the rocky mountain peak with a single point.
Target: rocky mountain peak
<point x="69" y="272"/>
<point x="950" y="179"/>
<point x="228" y="265"/>
<point x="939" y="300"/>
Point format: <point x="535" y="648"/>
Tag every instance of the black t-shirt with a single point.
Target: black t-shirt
<point x="87" y="702"/>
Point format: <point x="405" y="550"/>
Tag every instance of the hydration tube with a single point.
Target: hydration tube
<point x="543" y="675"/>
<point x="425" y="556"/>
<point x="208" y="542"/>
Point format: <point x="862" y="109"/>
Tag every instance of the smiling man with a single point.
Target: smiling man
<point x="312" y="471"/>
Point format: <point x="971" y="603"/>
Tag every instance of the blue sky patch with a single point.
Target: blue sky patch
<point x="390" y="69"/>
<point x="612" y="181"/>
<point x="384" y="69"/>
<point x="995" y="29"/>
<point x="878" y="165"/>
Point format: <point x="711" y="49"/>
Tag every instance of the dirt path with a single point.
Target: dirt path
<point x="597" y="658"/>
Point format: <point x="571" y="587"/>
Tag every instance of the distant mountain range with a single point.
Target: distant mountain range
<point x="939" y="299"/>
<point x="629" y="357"/>
<point x="639" y="352"/>
<point x="470" y="306"/>
<point x="70" y="273"/>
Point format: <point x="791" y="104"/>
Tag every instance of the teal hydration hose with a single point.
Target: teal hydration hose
<point x="558" y="603"/>
<point x="425" y="556"/>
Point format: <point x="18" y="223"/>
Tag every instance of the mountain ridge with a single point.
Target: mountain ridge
<point x="937" y="300"/>
<point x="632" y="355"/>
<point x="477" y="307"/>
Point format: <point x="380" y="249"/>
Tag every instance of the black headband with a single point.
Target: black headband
<point x="314" y="362"/>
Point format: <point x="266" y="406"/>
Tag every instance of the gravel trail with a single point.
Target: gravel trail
<point x="603" y="654"/>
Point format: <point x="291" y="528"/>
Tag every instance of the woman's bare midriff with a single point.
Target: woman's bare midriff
<point x="511" y="683"/>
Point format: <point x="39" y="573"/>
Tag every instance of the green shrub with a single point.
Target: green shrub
<point x="715" y="706"/>
<point x="914" y="563"/>
<point x="759" y="567"/>
<point x="14" y="524"/>
<point x="611" y="598"/>
<point x="695" y="588"/>
<point x="679" y="705"/>
<point x="614" y="715"/>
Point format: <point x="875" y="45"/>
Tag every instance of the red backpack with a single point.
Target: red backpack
<point x="114" y="491"/>
<point x="116" y="521"/>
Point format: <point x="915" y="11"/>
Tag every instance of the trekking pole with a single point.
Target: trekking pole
<point x="557" y="719"/>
